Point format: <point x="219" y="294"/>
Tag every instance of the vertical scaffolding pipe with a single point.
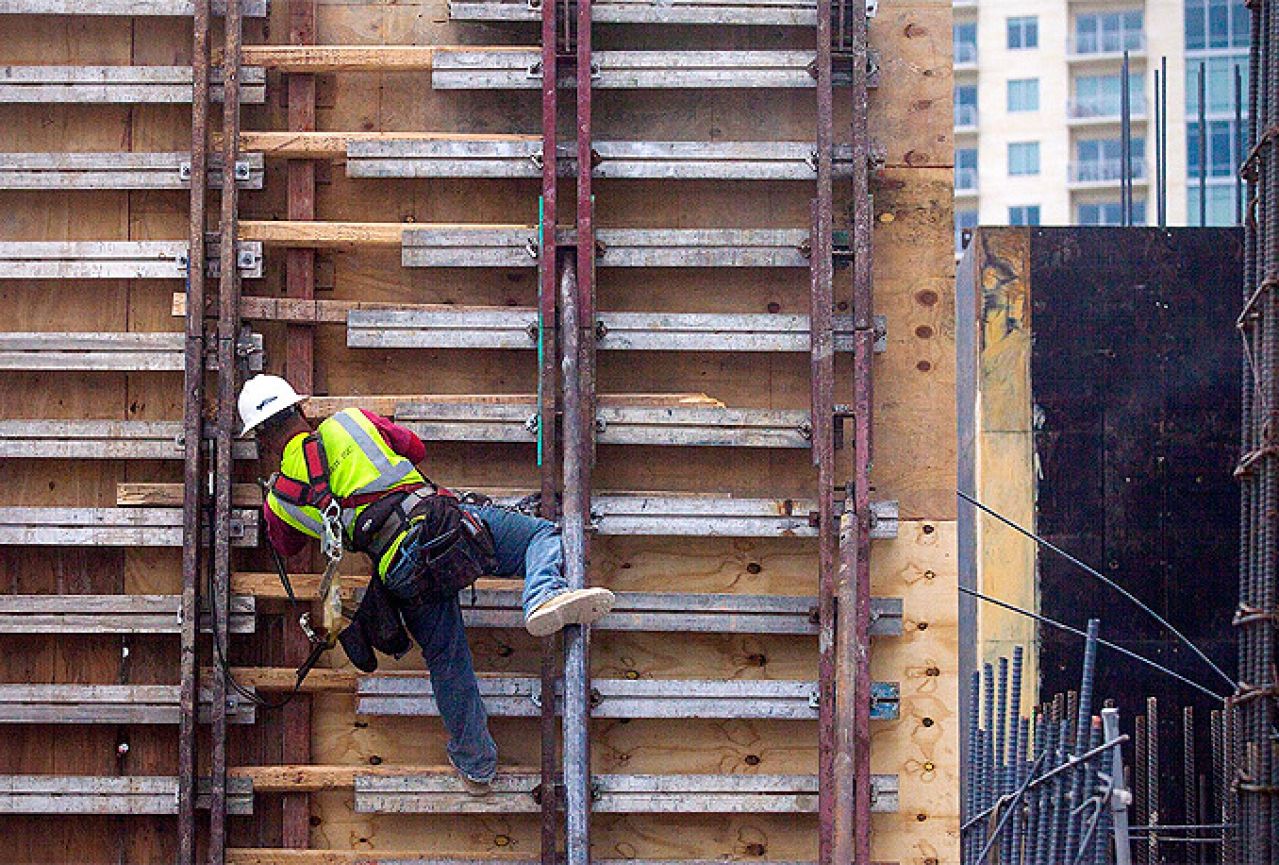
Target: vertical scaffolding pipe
<point x="548" y="403"/>
<point x="1237" y="141"/>
<point x="576" y="515"/>
<point x="193" y="437"/>
<point x="1118" y="802"/>
<point x="228" y="333"/>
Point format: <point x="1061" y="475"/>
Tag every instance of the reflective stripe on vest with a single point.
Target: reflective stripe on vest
<point x="360" y="462"/>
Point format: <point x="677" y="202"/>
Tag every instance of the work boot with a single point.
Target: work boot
<point x="574" y="607"/>
<point x="472" y="786"/>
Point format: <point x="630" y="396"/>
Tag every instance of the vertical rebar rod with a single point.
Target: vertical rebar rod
<point x="1217" y="812"/>
<point x="1237" y="141"/>
<point x="1057" y="833"/>
<point x="193" y="436"/>
<point x="1043" y="853"/>
<point x="1082" y="731"/>
<point x="548" y="404"/>
<point x="970" y="780"/>
<point x="1152" y="777"/>
<point x="1139" y="781"/>
<point x="1015" y="745"/>
<point x="1189" y="785"/>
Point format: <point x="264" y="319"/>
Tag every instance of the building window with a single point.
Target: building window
<point x="1023" y="32"/>
<point x="1109" y="32"/>
<point x="1110" y="213"/>
<point x="966" y="105"/>
<point x="964" y="220"/>
<point x="1217" y="24"/>
<point x="1025" y="214"/>
<point x="1220" y="204"/>
<point x="1023" y="94"/>
<point x="966" y="169"/>
<point x="965" y="42"/>
<point x="1219" y="89"/>
<point x="1100" y="96"/>
<point x="1223" y="154"/>
<point x="1101" y="160"/>
<point x="1023" y="158"/>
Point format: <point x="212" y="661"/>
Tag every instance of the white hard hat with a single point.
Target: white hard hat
<point x="265" y="396"/>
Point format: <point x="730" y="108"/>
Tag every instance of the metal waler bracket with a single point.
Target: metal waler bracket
<point x="535" y="69"/>
<point x="242" y="170"/>
<point x="530" y="246"/>
<point x="872" y="8"/>
<point x="880" y="344"/>
<point x="536" y="158"/>
<point x="184" y="170"/>
<point x="532" y="423"/>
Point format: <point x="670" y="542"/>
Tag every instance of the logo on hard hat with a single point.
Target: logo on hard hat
<point x="264" y="402"/>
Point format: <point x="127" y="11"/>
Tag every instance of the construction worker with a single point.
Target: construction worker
<point x="364" y="473"/>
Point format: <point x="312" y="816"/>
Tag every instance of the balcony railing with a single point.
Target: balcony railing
<point x="1101" y="109"/>
<point x="965" y="179"/>
<point x="965" y="116"/>
<point x="1105" y="170"/>
<point x="965" y="53"/>
<point x="1087" y="44"/>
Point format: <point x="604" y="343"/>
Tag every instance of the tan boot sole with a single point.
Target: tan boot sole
<point x="580" y="607"/>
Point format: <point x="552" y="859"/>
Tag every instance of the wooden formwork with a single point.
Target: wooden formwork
<point x="352" y="255"/>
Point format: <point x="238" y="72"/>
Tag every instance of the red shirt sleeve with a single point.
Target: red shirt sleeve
<point x="287" y="540"/>
<point x="400" y="440"/>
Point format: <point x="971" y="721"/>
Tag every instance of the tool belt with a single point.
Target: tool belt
<point x="451" y="548"/>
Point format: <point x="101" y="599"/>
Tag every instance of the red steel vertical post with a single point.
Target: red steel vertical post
<point x="822" y="384"/>
<point x="228" y="333"/>
<point x="193" y="435"/>
<point x="299" y="368"/>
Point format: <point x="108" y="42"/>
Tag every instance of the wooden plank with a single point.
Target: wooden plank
<point x="126" y="85"/>
<point x="340" y="58"/>
<point x="98" y="440"/>
<point x="124" y="170"/>
<point x="109" y="527"/>
<point x="138" y="494"/>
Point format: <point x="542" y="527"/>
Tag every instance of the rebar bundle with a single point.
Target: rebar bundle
<point x="1251" y="721"/>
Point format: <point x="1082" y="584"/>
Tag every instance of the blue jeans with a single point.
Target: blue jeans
<point x="527" y="547"/>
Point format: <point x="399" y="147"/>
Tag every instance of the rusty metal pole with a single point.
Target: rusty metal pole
<point x="548" y="403"/>
<point x="822" y="409"/>
<point x="228" y="333"/>
<point x="193" y="436"/>
<point x="852" y="599"/>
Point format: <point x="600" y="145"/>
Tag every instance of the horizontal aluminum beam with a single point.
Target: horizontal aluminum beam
<point x="631" y="425"/>
<point x="521" y="697"/>
<point x="487" y="69"/>
<point x="108" y="704"/>
<point x="118" y="170"/>
<point x="119" y="85"/>
<point x="616" y="247"/>
<point x="138" y="8"/>
<point x="115" y="259"/>
<point x="110" y="527"/>
<point x="759" y="13"/>
<point x="110" y="614"/>
<point x="117" y="795"/>
<point x="127" y="351"/>
<point x="629" y="160"/>
<point x="707" y="613"/>
<point x="100" y="440"/>
<point x="516" y="328"/>
<point x="721" y="516"/>
<point x="615" y="794"/>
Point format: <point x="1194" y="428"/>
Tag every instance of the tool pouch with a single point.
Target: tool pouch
<point x="453" y="548"/>
<point x="375" y="625"/>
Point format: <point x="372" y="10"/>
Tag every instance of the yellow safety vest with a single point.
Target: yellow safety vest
<point x="360" y="462"/>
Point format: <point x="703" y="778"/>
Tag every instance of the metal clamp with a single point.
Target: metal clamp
<point x="533" y="331"/>
<point x="531" y="247"/>
<point x="532" y="423"/>
<point x="535" y="69"/>
<point x="536" y="159"/>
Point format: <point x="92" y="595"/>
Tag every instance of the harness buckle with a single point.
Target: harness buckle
<point x="331" y="542"/>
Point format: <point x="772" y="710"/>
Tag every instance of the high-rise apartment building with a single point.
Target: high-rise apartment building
<point x="1037" y="108"/>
